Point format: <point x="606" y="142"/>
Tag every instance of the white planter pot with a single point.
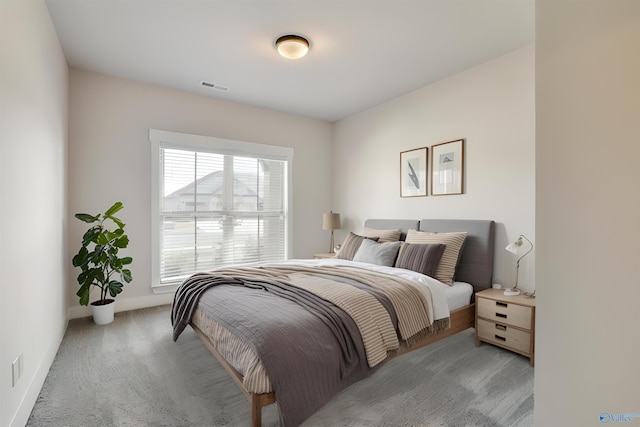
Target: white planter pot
<point x="103" y="313"/>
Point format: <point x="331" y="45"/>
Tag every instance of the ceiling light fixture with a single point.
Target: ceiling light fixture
<point x="292" y="46"/>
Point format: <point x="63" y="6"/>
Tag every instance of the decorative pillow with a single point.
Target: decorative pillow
<point x="424" y="259"/>
<point x="392" y="235"/>
<point x="377" y="253"/>
<point x="449" y="261"/>
<point x="351" y="245"/>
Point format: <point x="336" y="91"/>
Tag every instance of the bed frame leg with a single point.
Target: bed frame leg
<point x="256" y="411"/>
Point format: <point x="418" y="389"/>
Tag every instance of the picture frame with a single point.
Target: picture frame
<point x="413" y="172"/>
<point x="447" y="168"/>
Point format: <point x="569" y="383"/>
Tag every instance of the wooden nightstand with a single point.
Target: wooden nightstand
<point x="506" y="321"/>
<point x="324" y="255"/>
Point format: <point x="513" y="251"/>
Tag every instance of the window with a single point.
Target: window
<point x="216" y="202"/>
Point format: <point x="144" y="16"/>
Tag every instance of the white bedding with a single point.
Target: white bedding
<point x="458" y="295"/>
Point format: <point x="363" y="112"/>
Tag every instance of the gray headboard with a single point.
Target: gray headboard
<point x="476" y="261"/>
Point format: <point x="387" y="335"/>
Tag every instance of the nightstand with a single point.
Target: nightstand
<point x="324" y="255"/>
<point x="506" y="321"/>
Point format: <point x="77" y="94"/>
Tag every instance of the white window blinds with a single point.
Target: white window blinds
<point x="218" y="207"/>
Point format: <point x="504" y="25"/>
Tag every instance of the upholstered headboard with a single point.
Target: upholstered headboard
<point x="476" y="260"/>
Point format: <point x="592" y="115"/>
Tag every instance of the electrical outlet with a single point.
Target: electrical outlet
<point x="16" y="370"/>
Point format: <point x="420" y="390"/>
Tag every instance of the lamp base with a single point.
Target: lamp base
<point x="511" y="292"/>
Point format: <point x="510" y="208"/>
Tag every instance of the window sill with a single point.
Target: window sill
<point x="165" y="288"/>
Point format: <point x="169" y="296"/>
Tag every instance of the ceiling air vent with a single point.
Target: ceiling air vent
<point x="214" y="86"/>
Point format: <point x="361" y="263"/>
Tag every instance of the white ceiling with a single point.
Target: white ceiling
<point x="363" y="52"/>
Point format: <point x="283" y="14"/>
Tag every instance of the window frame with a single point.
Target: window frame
<point x="166" y="139"/>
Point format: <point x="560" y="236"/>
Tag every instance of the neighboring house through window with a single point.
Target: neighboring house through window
<point x="216" y="202"/>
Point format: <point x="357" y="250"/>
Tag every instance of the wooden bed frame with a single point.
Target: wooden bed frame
<point x="475" y="267"/>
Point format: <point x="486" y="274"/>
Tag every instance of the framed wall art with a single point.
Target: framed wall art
<point x="447" y="168"/>
<point x="413" y="172"/>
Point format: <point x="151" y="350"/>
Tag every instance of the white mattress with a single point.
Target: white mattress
<point x="458" y="295"/>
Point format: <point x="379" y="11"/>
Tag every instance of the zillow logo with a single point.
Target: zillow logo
<point x="607" y="417"/>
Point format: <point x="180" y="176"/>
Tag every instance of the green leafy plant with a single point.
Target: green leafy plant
<point x="98" y="256"/>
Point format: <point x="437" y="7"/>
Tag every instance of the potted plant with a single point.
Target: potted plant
<point x="101" y="266"/>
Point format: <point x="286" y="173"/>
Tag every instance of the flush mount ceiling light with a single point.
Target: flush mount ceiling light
<point x="292" y="46"/>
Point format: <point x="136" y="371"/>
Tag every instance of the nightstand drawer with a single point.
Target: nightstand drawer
<point x="504" y="335"/>
<point x="505" y="313"/>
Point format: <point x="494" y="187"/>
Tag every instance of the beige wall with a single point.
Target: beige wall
<point x="33" y="220"/>
<point x="492" y="107"/>
<point x="110" y="160"/>
<point x="587" y="211"/>
<point x="587" y="97"/>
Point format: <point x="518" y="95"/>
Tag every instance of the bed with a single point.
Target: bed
<point x="297" y="379"/>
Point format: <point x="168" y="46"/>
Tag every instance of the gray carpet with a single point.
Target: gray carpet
<point x="131" y="373"/>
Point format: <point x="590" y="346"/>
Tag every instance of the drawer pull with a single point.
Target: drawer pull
<point x="501" y="327"/>
<point x="504" y="316"/>
<point x="501" y="304"/>
<point x="498" y="337"/>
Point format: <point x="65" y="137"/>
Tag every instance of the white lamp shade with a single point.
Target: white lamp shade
<point x="331" y="221"/>
<point x="511" y="247"/>
<point x="514" y="247"/>
<point x="292" y="47"/>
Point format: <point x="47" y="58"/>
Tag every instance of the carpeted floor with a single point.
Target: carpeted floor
<point x="131" y="373"/>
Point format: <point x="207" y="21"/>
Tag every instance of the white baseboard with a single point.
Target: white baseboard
<point x="33" y="389"/>
<point x="124" y="304"/>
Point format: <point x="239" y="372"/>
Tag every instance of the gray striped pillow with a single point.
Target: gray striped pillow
<point x="424" y="259"/>
<point x="449" y="262"/>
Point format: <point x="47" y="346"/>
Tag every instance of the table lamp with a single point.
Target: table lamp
<point x="331" y="221"/>
<point x="515" y="248"/>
